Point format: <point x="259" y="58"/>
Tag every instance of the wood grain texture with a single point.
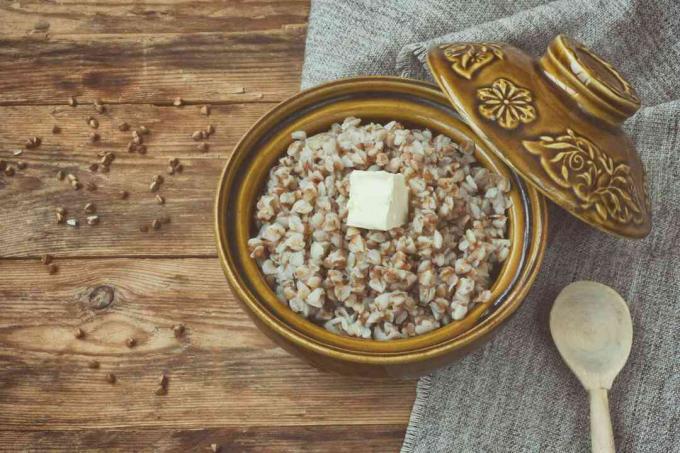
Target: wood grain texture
<point x="223" y="372"/>
<point x="160" y="16"/>
<point x="32" y="195"/>
<point x="267" y="439"/>
<point x="228" y="384"/>
<point x="148" y="68"/>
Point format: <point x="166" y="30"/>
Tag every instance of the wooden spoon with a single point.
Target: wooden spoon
<point x="592" y="329"/>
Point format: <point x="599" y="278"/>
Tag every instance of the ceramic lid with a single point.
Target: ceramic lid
<point x="556" y="121"/>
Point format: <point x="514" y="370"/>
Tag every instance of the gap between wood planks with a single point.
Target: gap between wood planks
<point x="157" y="17"/>
<point x="39" y="37"/>
<point x="383" y="437"/>
<point x="108" y="257"/>
<point x="186" y="102"/>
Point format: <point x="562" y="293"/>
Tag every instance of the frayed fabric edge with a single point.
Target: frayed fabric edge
<point x="417" y="414"/>
<point x="411" y="61"/>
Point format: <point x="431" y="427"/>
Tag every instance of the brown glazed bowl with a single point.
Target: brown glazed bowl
<point x="380" y="99"/>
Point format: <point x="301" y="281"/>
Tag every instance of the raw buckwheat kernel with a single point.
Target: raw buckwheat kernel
<point x="178" y="330"/>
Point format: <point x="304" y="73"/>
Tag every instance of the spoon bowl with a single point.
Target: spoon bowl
<point x="592" y="329"/>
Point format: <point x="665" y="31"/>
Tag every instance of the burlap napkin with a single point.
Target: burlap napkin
<point x="515" y="394"/>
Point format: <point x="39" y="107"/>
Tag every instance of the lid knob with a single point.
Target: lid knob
<point x="594" y="84"/>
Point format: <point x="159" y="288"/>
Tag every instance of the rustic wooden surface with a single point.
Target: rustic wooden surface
<point x="228" y="384"/>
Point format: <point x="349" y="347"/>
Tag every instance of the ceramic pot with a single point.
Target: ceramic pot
<point x="379" y="99"/>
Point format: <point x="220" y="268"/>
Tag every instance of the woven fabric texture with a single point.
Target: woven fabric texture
<point x="515" y="394"/>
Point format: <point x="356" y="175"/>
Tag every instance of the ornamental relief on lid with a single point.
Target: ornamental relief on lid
<point x="596" y="180"/>
<point x="467" y="58"/>
<point x="506" y="103"/>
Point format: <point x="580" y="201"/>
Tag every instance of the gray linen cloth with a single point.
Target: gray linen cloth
<point x="515" y="394"/>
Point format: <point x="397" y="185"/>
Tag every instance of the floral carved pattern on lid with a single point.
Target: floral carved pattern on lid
<point x="468" y="58"/>
<point x="596" y="180"/>
<point x="506" y="103"/>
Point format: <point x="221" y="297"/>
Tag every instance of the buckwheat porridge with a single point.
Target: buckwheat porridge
<point x="381" y="284"/>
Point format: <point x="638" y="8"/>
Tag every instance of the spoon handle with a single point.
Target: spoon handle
<point x="601" y="433"/>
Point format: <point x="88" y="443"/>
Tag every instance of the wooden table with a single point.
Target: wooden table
<point x="228" y="384"/>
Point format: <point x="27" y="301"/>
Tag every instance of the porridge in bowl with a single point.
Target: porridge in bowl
<point x="369" y="283"/>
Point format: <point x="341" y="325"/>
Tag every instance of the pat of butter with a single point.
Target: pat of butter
<point x="378" y="200"/>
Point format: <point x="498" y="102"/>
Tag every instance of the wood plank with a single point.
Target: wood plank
<point x="170" y="129"/>
<point x="200" y="67"/>
<point x="158" y="16"/>
<point x="223" y="372"/>
<point x="29" y="199"/>
<point x="261" y="439"/>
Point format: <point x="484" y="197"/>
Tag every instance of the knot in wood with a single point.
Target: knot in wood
<point x="101" y="297"/>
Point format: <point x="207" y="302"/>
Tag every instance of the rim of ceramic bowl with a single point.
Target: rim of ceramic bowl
<point x="298" y="110"/>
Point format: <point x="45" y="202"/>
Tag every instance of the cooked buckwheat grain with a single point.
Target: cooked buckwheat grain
<point x="381" y="284"/>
